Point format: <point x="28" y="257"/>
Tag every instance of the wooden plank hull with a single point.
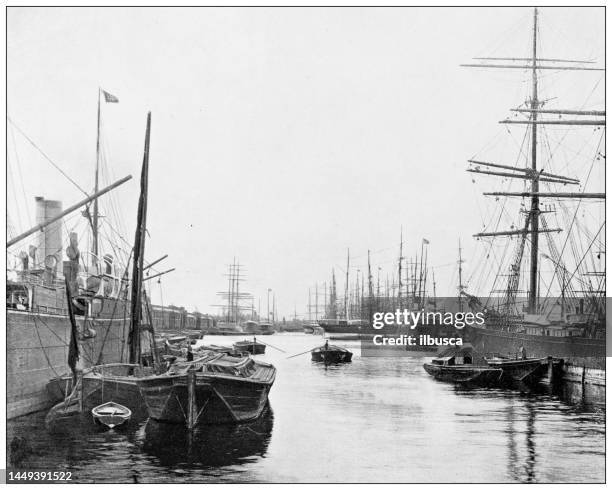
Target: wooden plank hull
<point x="464" y="373"/>
<point x="217" y="399"/>
<point x="97" y="389"/>
<point x="331" y="356"/>
<point x="521" y="369"/>
<point x="250" y="347"/>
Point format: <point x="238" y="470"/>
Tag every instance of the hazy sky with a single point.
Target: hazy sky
<point x="281" y="136"/>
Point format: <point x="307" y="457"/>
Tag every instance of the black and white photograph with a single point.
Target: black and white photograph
<point x="305" y="244"/>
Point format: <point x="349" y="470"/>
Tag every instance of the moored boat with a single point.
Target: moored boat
<point x="111" y="414"/>
<point x="36" y="311"/>
<point x="525" y="369"/>
<point x="215" y="388"/>
<point x="225" y="329"/>
<point x="194" y="334"/>
<point x="567" y="317"/>
<point x="463" y="365"/>
<point x="219" y="348"/>
<point x="250" y="346"/>
<point x="344" y="326"/>
<point x="176" y="339"/>
<point x="101" y="382"/>
<point x="259" y="328"/>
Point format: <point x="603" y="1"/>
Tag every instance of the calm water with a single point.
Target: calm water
<point x="374" y="420"/>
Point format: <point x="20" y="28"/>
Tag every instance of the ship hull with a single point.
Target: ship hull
<point x="250" y="347"/>
<point x="109" y="382"/>
<point x="217" y="400"/>
<point x="37" y="352"/>
<point x="590" y="353"/>
<point x="465" y="374"/>
<point x="331" y="356"/>
<point x="522" y="369"/>
<point x="342" y="328"/>
<point x="258" y="330"/>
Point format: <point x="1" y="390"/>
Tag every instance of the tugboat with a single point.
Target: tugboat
<point x="331" y="354"/>
<point x="463" y="365"/>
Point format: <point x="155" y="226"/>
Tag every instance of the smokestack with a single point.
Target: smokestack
<point x="49" y="241"/>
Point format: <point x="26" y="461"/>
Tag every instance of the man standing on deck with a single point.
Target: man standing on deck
<point x="189" y="353"/>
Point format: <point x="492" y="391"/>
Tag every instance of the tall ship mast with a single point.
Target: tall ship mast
<point x="562" y="230"/>
<point x="238" y="304"/>
<point x="42" y="261"/>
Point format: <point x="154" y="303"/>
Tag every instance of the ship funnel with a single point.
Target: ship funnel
<point x="49" y="240"/>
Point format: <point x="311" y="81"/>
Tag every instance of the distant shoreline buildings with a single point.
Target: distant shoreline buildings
<point x="177" y="318"/>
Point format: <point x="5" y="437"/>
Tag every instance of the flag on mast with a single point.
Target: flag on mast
<point x="109" y="97"/>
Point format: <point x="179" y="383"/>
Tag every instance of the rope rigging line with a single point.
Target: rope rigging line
<point x="107" y="171"/>
<point x="588" y="249"/>
<point x="19" y="172"/>
<point x="47" y="157"/>
<point x="573" y="220"/>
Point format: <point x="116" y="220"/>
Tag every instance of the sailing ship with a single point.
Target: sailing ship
<point x="237" y="302"/>
<point x="409" y="290"/>
<point x="117" y="381"/>
<point x="570" y="325"/>
<point x="38" y="329"/>
<point x="352" y="318"/>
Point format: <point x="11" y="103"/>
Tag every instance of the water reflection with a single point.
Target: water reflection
<point x="372" y="420"/>
<point x="530" y="443"/>
<point x="208" y="446"/>
<point x="537" y="419"/>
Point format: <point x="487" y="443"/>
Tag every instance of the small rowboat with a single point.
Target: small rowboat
<point x="331" y="354"/>
<point x="111" y="414"/>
